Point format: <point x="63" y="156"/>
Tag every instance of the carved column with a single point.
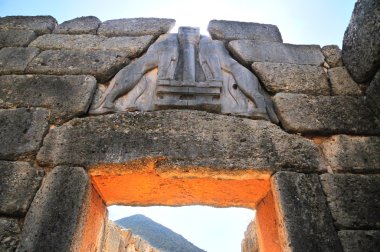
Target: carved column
<point x="188" y="39"/>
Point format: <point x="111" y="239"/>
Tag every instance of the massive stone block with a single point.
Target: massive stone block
<point x="292" y="78"/>
<point x="101" y="64"/>
<point x="80" y="25"/>
<point x="360" y="240"/>
<point x="249" y="51"/>
<point x="325" y="115"/>
<point x="66" y="96"/>
<point x="333" y="55"/>
<point x="361" y="42"/>
<point x="373" y="94"/>
<point x="9" y="234"/>
<point x="353" y="199"/>
<point x="14" y="38"/>
<point x="303" y="210"/>
<point x="232" y="30"/>
<point x="14" y="60"/>
<point x="38" y="24"/>
<point x="19" y="182"/>
<point x="183" y="138"/>
<point x="21" y="132"/>
<point x="342" y="83"/>
<point x="136" y="27"/>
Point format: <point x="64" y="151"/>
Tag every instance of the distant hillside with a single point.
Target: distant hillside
<point x="157" y="235"/>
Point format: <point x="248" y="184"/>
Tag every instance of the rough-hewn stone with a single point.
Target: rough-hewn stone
<point x="52" y="220"/>
<point x="136" y="27"/>
<point x="325" y="115"/>
<point x="14" y="38"/>
<point x="21" y="132"/>
<point x="303" y="209"/>
<point x="361" y="42"/>
<point x="9" y="234"/>
<point x="292" y="78"/>
<point x="14" y="60"/>
<point x="352" y="153"/>
<point x="232" y="30"/>
<point x="66" y="96"/>
<point x="373" y="94"/>
<point x="38" y="24"/>
<point x="360" y="240"/>
<point x="185" y="138"/>
<point x="249" y="51"/>
<point x="101" y="64"/>
<point x="19" y="182"/>
<point x="333" y="55"/>
<point x="249" y="242"/>
<point x="342" y="83"/>
<point x="353" y="199"/>
<point x="80" y="25"/>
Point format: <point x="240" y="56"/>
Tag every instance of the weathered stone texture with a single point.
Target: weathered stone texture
<point x="373" y="94"/>
<point x="14" y="38"/>
<point x="80" y="25"/>
<point x="66" y="96"/>
<point x="342" y="83"/>
<point x="303" y="209"/>
<point x="354" y="200"/>
<point x="232" y="30"/>
<point x="325" y="115"/>
<point x="14" y="60"/>
<point x="184" y="138"/>
<point x="9" y="234"/>
<point x="361" y="42"/>
<point x="52" y="220"/>
<point x="333" y="55"/>
<point x="38" y="24"/>
<point x="136" y="27"/>
<point x="360" y="240"/>
<point x="249" y="242"/>
<point x="352" y="153"/>
<point x="19" y="182"/>
<point x="21" y="132"/>
<point x="249" y="51"/>
<point x="101" y="64"/>
<point x="292" y="78"/>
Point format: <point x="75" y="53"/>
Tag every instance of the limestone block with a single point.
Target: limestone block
<point x="66" y="96"/>
<point x="15" y="38"/>
<point x="80" y="25"/>
<point x="353" y="200"/>
<point x="21" y="132"/>
<point x="232" y="30"/>
<point x="38" y="24"/>
<point x="249" y="242"/>
<point x="292" y="78"/>
<point x="333" y="55"/>
<point x="342" y="83"/>
<point x="14" y="60"/>
<point x="360" y="240"/>
<point x="249" y="51"/>
<point x="303" y="210"/>
<point x="52" y="220"/>
<point x="184" y="138"/>
<point x="101" y="64"/>
<point x="373" y="94"/>
<point x="19" y="182"/>
<point x="361" y="42"/>
<point x="352" y="153"/>
<point x="325" y="115"/>
<point x="9" y="234"/>
<point x="136" y="27"/>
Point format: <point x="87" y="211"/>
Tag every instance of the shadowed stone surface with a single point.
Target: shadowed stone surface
<point x="360" y="240"/>
<point x="352" y="153"/>
<point x="80" y="25"/>
<point x="361" y="42"/>
<point x="304" y="211"/>
<point x="52" y="220"/>
<point x="342" y="83"/>
<point x="38" y="24"/>
<point x="136" y="27"/>
<point x="325" y="115"/>
<point x="9" y="234"/>
<point x="101" y="64"/>
<point x="21" y="132"/>
<point x="186" y="138"/>
<point x="249" y="51"/>
<point x="19" y="182"/>
<point x="9" y="38"/>
<point x="333" y="55"/>
<point x="373" y="94"/>
<point x="292" y="78"/>
<point x="232" y="30"/>
<point x="353" y="200"/>
<point x="66" y="96"/>
<point x="14" y="60"/>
